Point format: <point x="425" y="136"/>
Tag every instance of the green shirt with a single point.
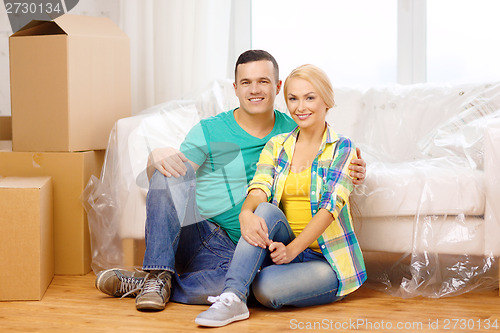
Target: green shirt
<point x="227" y="156"/>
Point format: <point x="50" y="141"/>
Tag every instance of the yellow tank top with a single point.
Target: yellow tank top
<point x="296" y="202"/>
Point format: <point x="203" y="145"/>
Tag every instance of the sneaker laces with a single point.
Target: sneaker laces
<point x="224" y="300"/>
<point x="130" y="285"/>
<point x="153" y="284"/>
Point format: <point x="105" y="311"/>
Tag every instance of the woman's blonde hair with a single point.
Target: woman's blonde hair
<point x="319" y="80"/>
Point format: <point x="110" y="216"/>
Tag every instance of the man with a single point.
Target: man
<point x="195" y="195"/>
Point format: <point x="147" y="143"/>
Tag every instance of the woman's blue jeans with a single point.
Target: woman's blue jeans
<point x="179" y="240"/>
<point x="307" y="280"/>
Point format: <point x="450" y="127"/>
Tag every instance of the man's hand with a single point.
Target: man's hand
<point x="169" y="161"/>
<point x="280" y="253"/>
<point x="358" y="169"/>
<point x="254" y="229"/>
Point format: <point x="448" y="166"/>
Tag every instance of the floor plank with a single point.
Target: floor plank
<point x="72" y="304"/>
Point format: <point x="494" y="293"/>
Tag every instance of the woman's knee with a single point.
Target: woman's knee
<point x="265" y="293"/>
<point x="279" y="285"/>
<point x="270" y="213"/>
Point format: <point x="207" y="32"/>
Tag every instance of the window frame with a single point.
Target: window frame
<point x="412" y="41"/>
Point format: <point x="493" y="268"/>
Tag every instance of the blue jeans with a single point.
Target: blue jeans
<point x="197" y="251"/>
<point x="307" y="280"/>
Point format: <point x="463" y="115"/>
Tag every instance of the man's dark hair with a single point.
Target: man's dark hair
<point x="257" y="55"/>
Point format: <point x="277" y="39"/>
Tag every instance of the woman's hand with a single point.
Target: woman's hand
<point x="358" y="169"/>
<point x="254" y="229"/>
<point x="280" y="253"/>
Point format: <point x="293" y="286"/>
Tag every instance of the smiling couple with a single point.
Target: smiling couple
<point x="287" y="240"/>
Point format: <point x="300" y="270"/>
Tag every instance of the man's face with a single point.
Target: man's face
<point x="256" y="87"/>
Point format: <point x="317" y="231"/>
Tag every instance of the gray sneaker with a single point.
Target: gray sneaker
<point x="155" y="292"/>
<point x="119" y="282"/>
<point x="225" y="309"/>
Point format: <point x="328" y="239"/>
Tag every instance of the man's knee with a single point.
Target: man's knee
<point x="157" y="176"/>
<point x="160" y="181"/>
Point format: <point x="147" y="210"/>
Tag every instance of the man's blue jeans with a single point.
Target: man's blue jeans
<point x="307" y="280"/>
<point x="179" y="240"/>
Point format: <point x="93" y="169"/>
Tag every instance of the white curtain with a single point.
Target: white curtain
<point x="179" y="46"/>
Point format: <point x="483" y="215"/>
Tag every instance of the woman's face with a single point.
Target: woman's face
<point x="306" y="106"/>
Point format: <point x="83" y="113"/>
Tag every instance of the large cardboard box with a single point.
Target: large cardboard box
<point x="5" y="128"/>
<point x="70" y="174"/>
<point x="26" y="238"/>
<point x="70" y="82"/>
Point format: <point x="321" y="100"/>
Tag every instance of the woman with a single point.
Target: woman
<point x="312" y="255"/>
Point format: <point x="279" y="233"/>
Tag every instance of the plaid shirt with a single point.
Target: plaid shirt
<point x="331" y="186"/>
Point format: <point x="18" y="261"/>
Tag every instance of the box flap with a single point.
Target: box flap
<point x="37" y="28"/>
<point x="89" y="26"/>
<point x="77" y="25"/>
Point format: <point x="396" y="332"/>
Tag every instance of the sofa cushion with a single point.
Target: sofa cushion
<point x="438" y="186"/>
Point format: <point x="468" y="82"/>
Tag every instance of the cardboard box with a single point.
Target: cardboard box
<point x="5" y="128"/>
<point x="26" y="238"/>
<point x="70" y="174"/>
<point x="70" y="82"/>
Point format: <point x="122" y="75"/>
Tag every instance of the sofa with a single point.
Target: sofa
<point x="431" y="196"/>
<point x="427" y="216"/>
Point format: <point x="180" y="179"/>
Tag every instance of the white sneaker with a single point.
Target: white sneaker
<point x="225" y="309"/>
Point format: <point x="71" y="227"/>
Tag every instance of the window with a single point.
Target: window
<point x="356" y="42"/>
<point x="463" y="39"/>
<point x="353" y="41"/>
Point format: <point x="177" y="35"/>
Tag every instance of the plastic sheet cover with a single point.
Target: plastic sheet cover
<point x="427" y="216"/>
<point x="428" y="213"/>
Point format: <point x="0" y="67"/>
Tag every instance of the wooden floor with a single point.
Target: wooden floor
<point x="72" y="304"/>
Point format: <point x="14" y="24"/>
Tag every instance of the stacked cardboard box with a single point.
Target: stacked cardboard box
<point x="26" y="237"/>
<point x="70" y="172"/>
<point x="70" y="82"/>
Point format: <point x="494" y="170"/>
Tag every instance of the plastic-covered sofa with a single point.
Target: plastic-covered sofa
<point x="432" y="193"/>
<point x="427" y="215"/>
